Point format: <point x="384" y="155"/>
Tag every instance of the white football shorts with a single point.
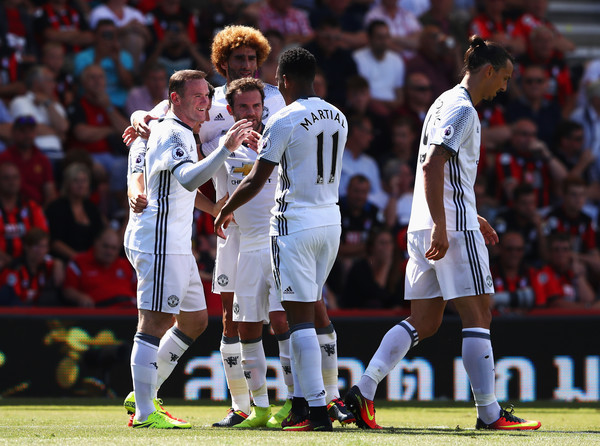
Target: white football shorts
<point x="301" y="262"/>
<point x="463" y="271"/>
<point x="255" y="293"/>
<point x="225" y="272"/>
<point x="168" y="283"/>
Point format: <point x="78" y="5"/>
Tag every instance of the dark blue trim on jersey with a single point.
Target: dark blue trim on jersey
<point x="468" y="95"/>
<point x="276" y="261"/>
<point x="282" y="226"/>
<point x="458" y="195"/>
<point x="474" y="263"/>
<point x="268" y="161"/>
<point x="160" y="239"/>
<point x="447" y="147"/>
<point x="179" y="164"/>
<point x="180" y="122"/>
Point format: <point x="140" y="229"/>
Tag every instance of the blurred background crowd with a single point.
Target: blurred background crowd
<point x="72" y="71"/>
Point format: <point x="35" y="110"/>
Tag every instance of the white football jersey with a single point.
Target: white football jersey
<point x="451" y="122"/>
<point x="254" y="216"/>
<point x="307" y="140"/>
<point x="165" y="226"/>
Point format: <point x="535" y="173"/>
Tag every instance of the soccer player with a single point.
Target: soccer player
<point x="306" y="139"/>
<point x="448" y="259"/>
<point x="158" y="244"/>
<point x="255" y="301"/>
<point x="237" y="52"/>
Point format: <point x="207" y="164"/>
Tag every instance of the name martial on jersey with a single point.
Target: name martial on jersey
<point x="307" y="140"/>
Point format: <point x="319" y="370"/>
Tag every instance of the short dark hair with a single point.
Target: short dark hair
<point x="482" y="52"/>
<point x="34" y="236"/>
<point x="374" y="24"/>
<point x="298" y="64"/>
<point x="523" y="189"/>
<point x="243" y="85"/>
<point x="180" y="78"/>
<point x="104" y="22"/>
<point x="566" y="128"/>
<point x="357" y="83"/>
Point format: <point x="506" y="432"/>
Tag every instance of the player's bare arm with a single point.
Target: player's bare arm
<point x="136" y="193"/>
<point x="489" y="234"/>
<point x="248" y="188"/>
<point x="139" y="122"/>
<point x="433" y="180"/>
<point x="205" y="204"/>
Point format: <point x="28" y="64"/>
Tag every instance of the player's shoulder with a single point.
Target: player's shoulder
<point x="271" y="91"/>
<point x="456" y="102"/>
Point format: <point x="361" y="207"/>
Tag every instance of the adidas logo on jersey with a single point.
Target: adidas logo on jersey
<point x="219" y="117"/>
<point x="288" y="290"/>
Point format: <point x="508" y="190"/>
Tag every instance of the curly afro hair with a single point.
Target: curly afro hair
<point x="237" y="36"/>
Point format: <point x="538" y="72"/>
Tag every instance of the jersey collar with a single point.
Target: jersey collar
<point x="468" y="94"/>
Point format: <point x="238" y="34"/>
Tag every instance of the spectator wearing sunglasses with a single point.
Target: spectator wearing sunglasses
<point x="534" y="105"/>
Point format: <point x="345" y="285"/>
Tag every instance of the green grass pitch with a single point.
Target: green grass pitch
<point x="103" y="422"/>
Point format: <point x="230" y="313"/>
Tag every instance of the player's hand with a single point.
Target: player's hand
<point x="489" y="234"/>
<point x="129" y="135"/>
<point x="141" y="125"/>
<point x="219" y="205"/>
<point x="138" y="203"/>
<point x="252" y="140"/>
<point x="221" y="222"/>
<point x="439" y="243"/>
<point x="237" y="134"/>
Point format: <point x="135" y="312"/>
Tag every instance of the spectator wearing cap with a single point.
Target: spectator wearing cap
<point x="34" y="167"/>
<point x="40" y="102"/>
<point x="99" y="277"/>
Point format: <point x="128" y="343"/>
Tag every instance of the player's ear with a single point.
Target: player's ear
<point x="174" y="97"/>
<point x="229" y="109"/>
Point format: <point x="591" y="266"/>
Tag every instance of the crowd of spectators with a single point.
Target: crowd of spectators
<point x="72" y="71"/>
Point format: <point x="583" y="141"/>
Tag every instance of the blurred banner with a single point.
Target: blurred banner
<point x="537" y="358"/>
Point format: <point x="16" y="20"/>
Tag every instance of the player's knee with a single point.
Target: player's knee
<point x="194" y="324"/>
<point x="279" y="322"/>
<point x="426" y="327"/>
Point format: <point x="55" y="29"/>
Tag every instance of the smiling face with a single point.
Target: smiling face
<point x="241" y="63"/>
<point x="248" y="105"/>
<point x="191" y="106"/>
